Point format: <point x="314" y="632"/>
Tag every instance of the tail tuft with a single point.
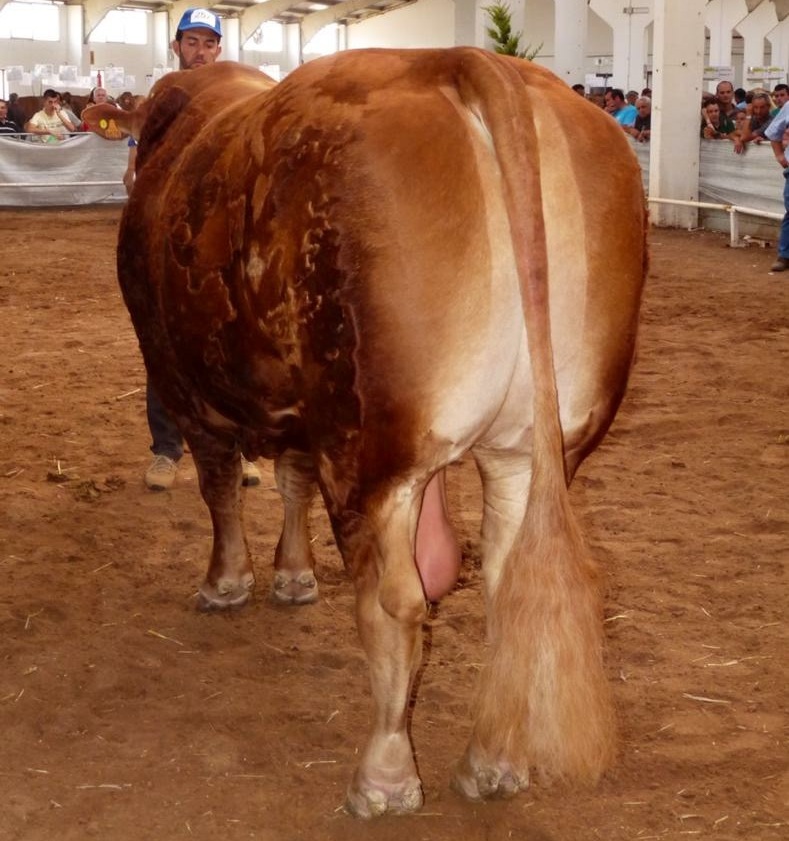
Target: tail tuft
<point x="544" y="701"/>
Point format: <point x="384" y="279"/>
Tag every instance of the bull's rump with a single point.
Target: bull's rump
<point x="337" y="257"/>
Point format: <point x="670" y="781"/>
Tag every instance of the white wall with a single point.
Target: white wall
<point x="428" y="23"/>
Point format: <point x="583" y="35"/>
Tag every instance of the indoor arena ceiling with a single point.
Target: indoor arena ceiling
<point x="311" y="14"/>
<point x="317" y="13"/>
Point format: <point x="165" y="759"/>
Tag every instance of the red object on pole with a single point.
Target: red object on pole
<point x="98" y="80"/>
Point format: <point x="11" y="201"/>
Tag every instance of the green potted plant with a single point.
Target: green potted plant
<point x="500" y="32"/>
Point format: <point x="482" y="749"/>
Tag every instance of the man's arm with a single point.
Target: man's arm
<point x="34" y="128"/>
<point x="67" y="124"/>
<point x="780" y="153"/>
<point x="128" y="176"/>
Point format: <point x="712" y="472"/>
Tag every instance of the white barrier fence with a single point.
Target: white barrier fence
<point x="737" y="193"/>
<point x="83" y="169"/>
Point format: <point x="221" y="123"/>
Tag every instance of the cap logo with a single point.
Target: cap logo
<point x="204" y="16"/>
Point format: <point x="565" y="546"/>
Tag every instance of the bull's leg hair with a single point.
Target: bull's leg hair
<point x="294" y="564"/>
<point x="390" y="611"/>
<point x="230" y="579"/>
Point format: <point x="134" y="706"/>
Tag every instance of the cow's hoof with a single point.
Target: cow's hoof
<point x="225" y="594"/>
<point x="484" y="782"/>
<point x="303" y="589"/>
<point x="369" y="801"/>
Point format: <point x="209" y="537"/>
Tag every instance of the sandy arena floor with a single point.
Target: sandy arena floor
<point x="125" y="714"/>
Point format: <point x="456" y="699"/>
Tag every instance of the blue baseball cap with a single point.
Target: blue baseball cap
<point x="200" y="19"/>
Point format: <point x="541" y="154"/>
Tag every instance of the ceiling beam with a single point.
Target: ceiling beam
<point x="253" y="17"/>
<point x="94" y="11"/>
<point x="314" y="22"/>
<point x="781" y="8"/>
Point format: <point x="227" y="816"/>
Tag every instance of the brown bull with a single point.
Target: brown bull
<point x="388" y="260"/>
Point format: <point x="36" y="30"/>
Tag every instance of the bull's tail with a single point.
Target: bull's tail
<point x="544" y="700"/>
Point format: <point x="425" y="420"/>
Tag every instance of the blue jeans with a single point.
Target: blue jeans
<point x="166" y="438"/>
<point x="783" y="240"/>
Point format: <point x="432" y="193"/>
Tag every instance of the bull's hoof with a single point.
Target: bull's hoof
<point x="370" y="801"/>
<point x="487" y="781"/>
<point x="225" y="594"/>
<point x="303" y="589"/>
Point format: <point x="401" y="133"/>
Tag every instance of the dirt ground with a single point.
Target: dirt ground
<point x="125" y="714"/>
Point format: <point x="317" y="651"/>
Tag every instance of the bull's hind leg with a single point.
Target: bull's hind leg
<point x="390" y="611"/>
<point x="294" y="564"/>
<point x="230" y="578"/>
<point x="486" y="770"/>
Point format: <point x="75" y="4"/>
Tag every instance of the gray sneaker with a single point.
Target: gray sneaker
<point x="160" y="474"/>
<point x="250" y="475"/>
<point x="780" y="265"/>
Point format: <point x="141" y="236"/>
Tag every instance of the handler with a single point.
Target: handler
<point x="197" y="43"/>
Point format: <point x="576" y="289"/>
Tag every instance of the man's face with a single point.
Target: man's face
<point x="611" y="103"/>
<point x="3" y="110"/>
<point x="51" y="105"/>
<point x="725" y="94"/>
<point x="196" y="48"/>
<point x="100" y="95"/>
<point x="780" y="97"/>
<point x="760" y="108"/>
<point x="644" y="108"/>
<point x="713" y="112"/>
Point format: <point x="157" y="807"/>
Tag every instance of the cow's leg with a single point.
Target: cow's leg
<point x="485" y="769"/>
<point x="294" y="564"/>
<point x="390" y="611"/>
<point x="230" y="578"/>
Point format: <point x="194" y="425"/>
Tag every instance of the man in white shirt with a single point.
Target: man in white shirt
<point x="50" y="125"/>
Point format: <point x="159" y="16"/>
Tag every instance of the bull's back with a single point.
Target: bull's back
<point x="353" y="221"/>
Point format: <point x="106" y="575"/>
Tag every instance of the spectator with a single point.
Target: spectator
<point x="15" y="112"/>
<point x="724" y="93"/>
<point x="97" y="96"/>
<point x="647" y="92"/>
<point x="714" y="124"/>
<point x="780" y="97"/>
<point x="642" y="128"/>
<point x="50" y="124"/>
<point x="580" y="89"/>
<point x="66" y="106"/>
<point x="616" y="106"/>
<point x="741" y="134"/>
<point x="760" y="116"/>
<point x="631" y="98"/>
<point x="126" y="101"/>
<point x="8" y="127"/>
<point x="740" y="99"/>
<point x="775" y="133"/>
